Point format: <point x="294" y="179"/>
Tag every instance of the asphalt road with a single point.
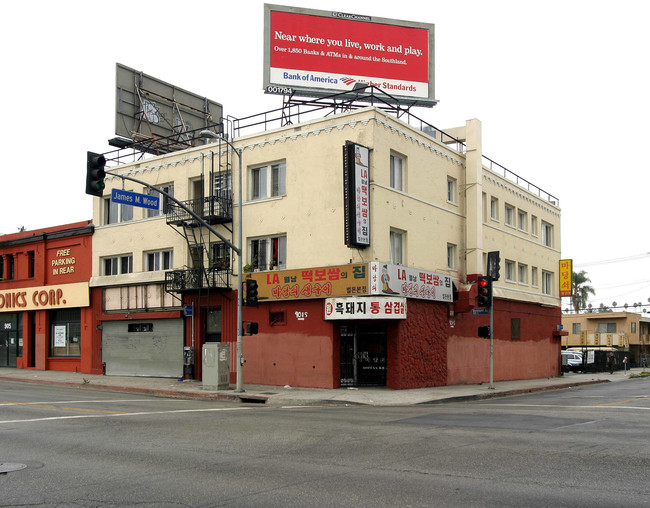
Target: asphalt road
<point x="63" y="446"/>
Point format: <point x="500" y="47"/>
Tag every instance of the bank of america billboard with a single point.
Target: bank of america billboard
<point x="314" y="52"/>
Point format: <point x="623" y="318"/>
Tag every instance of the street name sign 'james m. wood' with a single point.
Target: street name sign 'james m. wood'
<point x="133" y="198"/>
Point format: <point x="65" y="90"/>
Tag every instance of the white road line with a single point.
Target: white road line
<point x="108" y="401"/>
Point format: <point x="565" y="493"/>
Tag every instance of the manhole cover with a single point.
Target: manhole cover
<point x="8" y="467"/>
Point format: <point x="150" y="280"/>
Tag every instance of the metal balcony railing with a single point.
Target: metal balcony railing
<point x="212" y="209"/>
<point x="194" y="279"/>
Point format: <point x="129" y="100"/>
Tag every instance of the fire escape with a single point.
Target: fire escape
<point x="215" y="207"/>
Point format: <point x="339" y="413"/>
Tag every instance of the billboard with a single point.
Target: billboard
<point x="396" y="280"/>
<point x="162" y="117"/>
<point x="356" y="195"/>
<point x="315" y="53"/>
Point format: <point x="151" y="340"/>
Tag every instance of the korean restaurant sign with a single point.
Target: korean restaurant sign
<point x="344" y="280"/>
<point x="368" y="307"/>
<point x="395" y="280"/>
<point x="566" y="277"/>
<point x="57" y="296"/>
<point x="316" y="52"/>
<point x="356" y="194"/>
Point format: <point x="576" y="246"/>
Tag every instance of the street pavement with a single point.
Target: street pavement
<point x="293" y="396"/>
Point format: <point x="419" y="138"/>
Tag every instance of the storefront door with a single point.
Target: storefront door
<point x="8" y="348"/>
<point x="363" y="354"/>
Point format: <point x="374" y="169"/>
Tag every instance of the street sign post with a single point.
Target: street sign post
<point x="133" y="198"/>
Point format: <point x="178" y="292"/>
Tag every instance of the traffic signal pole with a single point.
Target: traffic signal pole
<point x="491" y="386"/>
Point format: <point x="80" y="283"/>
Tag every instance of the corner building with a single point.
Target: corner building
<point x="391" y="307"/>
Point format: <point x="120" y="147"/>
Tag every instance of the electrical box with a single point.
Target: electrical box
<point x="216" y="366"/>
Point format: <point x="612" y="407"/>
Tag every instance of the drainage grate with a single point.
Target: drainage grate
<point x="9" y="467"/>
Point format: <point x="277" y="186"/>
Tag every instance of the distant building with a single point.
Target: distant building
<point x="45" y="314"/>
<point x="391" y="307"/>
<point x="622" y="330"/>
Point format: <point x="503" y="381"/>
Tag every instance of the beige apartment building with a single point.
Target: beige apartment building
<point x="428" y="210"/>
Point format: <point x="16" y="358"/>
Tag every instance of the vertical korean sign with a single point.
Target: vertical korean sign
<point x="566" y="277"/>
<point x="356" y="194"/>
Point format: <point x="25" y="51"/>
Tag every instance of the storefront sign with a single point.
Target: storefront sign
<point x="324" y="282"/>
<point x="370" y="307"/>
<point x="566" y="280"/>
<point x="63" y="262"/>
<point x="397" y="280"/>
<point x="45" y="297"/>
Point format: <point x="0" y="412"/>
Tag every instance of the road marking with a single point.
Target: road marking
<point x="623" y="401"/>
<point x="87" y="401"/>
<point x="597" y="406"/>
<point x="108" y="414"/>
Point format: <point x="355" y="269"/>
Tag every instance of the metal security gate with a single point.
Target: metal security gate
<point x="363" y="355"/>
<point x="143" y="348"/>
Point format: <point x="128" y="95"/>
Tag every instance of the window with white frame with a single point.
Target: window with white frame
<point x="533" y="276"/>
<point x="451" y="256"/>
<point x="164" y="200"/>
<point x="576" y="328"/>
<point x="510" y="215"/>
<point x="115" y="212"/>
<point x="397" y="169"/>
<point x="547" y="282"/>
<point x="547" y="234"/>
<point x="451" y="189"/>
<point x="522" y="220"/>
<point x="116" y="265"/>
<point x="268" y="181"/>
<point x="159" y="260"/>
<point x="222" y="182"/>
<point x="494" y="208"/>
<point x="533" y="225"/>
<point x="510" y="270"/>
<point x="523" y="273"/>
<point x="268" y="252"/>
<point x="397" y="247"/>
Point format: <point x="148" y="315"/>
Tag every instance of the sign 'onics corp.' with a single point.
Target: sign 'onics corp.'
<point x="133" y="198"/>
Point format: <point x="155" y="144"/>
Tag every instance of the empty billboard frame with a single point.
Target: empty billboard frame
<point x="316" y="53"/>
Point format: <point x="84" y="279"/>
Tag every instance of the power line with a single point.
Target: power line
<point x="614" y="260"/>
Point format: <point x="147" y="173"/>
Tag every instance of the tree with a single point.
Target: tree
<point x="581" y="291"/>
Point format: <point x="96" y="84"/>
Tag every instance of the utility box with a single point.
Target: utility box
<point x="216" y="366"/>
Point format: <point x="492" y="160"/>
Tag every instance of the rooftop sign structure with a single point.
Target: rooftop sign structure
<point x="157" y="117"/>
<point x="317" y="53"/>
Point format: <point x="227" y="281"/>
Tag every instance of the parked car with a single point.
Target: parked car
<point x="571" y="361"/>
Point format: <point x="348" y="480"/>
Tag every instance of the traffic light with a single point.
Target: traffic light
<point x="484" y="332"/>
<point x="493" y="265"/>
<point x="484" y="298"/>
<point x="251" y="292"/>
<point x="95" y="174"/>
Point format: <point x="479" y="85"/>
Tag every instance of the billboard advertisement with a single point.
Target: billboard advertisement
<point x="314" y="52"/>
<point x="396" y="280"/>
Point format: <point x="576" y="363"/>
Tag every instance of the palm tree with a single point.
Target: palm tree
<point x="581" y="290"/>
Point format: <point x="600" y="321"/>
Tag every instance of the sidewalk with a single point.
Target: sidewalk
<point x="289" y="396"/>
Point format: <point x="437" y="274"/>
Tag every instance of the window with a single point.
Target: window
<point x="515" y="328"/>
<point x="10" y="267"/>
<point x="633" y="327"/>
<point x="115" y="212"/>
<point x="65" y="332"/>
<point x="547" y="234"/>
<point x="523" y="273"/>
<point x="30" y="265"/>
<point x="397" y="166"/>
<point x="547" y="282"/>
<point x="117" y="265"/>
<point x="397" y="239"/>
<point x="451" y="190"/>
<point x="268" y="181"/>
<point x="164" y="200"/>
<point x="510" y="270"/>
<point x="159" y="260"/>
<point x="533" y="225"/>
<point x="494" y="208"/>
<point x="2" y="267"/>
<point x="219" y="256"/>
<point x="268" y="253"/>
<point x="510" y="215"/>
<point x="576" y="329"/>
<point x="222" y="182"/>
<point x="533" y="277"/>
<point x="451" y="256"/>
<point x="522" y="220"/>
<point x="606" y="328"/>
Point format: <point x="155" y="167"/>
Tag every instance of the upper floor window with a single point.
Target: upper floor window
<point x="494" y="208"/>
<point x="606" y="328"/>
<point x="522" y="220"/>
<point x="220" y="256"/>
<point x="11" y="267"/>
<point x="510" y="215"/>
<point x="115" y="265"/>
<point x="510" y="270"/>
<point x="115" y="212"/>
<point x="533" y="225"/>
<point x="268" y="252"/>
<point x="547" y="234"/>
<point x="397" y="241"/>
<point x="451" y="256"/>
<point x="533" y="276"/>
<point x="397" y="166"/>
<point x="159" y="260"/>
<point x="547" y="282"/>
<point x="2" y="267"/>
<point x="523" y="273"/>
<point x="222" y="182"/>
<point x="164" y="200"/>
<point x="268" y="181"/>
<point x="451" y="190"/>
<point x="30" y="264"/>
<point x="576" y="329"/>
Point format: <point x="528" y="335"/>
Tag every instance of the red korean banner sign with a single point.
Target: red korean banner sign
<point x="566" y="277"/>
<point x="395" y="280"/>
<point x="368" y="307"/>
<point x="311" y="49"/>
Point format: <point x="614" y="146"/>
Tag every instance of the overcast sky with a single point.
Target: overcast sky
<point x="561" y="88"/>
